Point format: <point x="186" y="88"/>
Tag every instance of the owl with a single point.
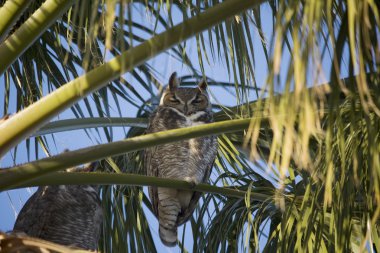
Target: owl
<point x="65" y="214"/>
<point x="190" y="160"/>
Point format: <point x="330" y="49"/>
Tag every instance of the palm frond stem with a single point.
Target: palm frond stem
<point x="10" y="13"/>
<point x="74" y="124"/>
<point x="14" y="176"/>
<point x="71" y="178"/>
<point x="31" y="30"/>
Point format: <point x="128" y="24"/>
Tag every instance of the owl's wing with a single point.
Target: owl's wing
<point x="151" y="169"/>
<point x="34" y="215"/>
<point x="71" y="215"/>
<point x="185" y="216"/>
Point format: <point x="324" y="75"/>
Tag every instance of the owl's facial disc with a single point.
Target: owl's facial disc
<point x="188" y="101"/>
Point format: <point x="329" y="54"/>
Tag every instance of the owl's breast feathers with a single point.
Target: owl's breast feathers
<point x="189" y="160"/>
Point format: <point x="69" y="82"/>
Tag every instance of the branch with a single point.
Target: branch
<point x="21" y="242"/>
<point x="31" y="30"/>
<point x="75" y="124"/>
<point x="83" y="178"/>
<point x="10" y="12"/>
<point x="13" y="177"/>
<point x="28" y="121"/>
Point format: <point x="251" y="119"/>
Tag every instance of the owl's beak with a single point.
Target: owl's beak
<point x="185" y="109"/>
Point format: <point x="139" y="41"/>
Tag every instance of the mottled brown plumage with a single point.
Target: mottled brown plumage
<point x="66" y="214"/>
<point x="189" y="160"/>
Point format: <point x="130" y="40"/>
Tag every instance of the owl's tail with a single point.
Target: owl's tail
<point x="168" y="236"/>
<point x="168" y="210"/>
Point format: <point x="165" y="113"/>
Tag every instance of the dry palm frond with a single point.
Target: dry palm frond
<point x="17" y="243"/>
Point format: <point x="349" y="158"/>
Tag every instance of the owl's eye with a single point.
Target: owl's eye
<point x="173" y="99"/>
<point x="197" y="100"/>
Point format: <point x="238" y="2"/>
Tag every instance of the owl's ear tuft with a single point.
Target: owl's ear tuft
<point x="202" y="85"/>
<point x="173" y="81"/>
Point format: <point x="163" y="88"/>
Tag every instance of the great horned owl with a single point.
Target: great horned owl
<point x="65" y="214"/>
<point x="189" y="160"/>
